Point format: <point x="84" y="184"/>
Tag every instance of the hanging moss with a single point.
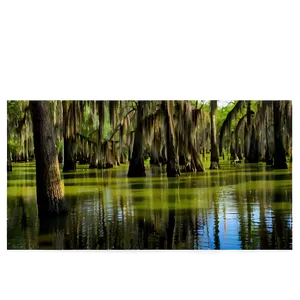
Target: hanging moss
<point x="226" y="126"/>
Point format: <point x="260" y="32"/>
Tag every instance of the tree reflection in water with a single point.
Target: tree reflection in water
<point x="236" y="208"/>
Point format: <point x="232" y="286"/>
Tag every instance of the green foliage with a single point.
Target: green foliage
<point x="13" y="110"/>
<point x="14" y="146"/>
<point x="222" y="113"/>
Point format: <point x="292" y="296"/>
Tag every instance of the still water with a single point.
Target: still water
<point x="237" y="207"/>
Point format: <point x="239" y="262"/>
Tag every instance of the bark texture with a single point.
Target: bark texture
<point x="279" y="153"/>
<point x="172" y="159"/>
<point x="214" y="158"/>
<point x="136" y="166"/>
<point x="50" y="196"/>
<point x="253" y="156"/>
<point x="69" y="136"/>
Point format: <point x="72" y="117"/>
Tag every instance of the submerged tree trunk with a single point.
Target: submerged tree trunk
<point x="101" y="115"/>
<point x="172" y="160"/>
<point x="93" y="162"/>
<point x="69" y="155"/>
<point x="8" y="166"/>
<point x="50" y="196"/>
<point x="248" y="132"/>
<point x="214" y="158"/>
<point x="253" y="156"/>
<point x="136" y="166"/>
<point x="155" y="149"/>
<point x="7" y="154"/>
<point x="69" y="136"/>
<point x="196" y="161"/>
<point x="279" y="153"/>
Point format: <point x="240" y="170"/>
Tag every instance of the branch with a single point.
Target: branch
<point x="93" y="132"/>
<point x="85" y="138"/>
<point x="119" y="125"/>
<point x="195" y="109"/>
<point x="21" y="122"/>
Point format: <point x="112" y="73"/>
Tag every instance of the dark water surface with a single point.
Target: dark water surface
<point x="238" y="207"/>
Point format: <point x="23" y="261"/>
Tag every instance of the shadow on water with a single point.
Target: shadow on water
<point x="238" y="208"/>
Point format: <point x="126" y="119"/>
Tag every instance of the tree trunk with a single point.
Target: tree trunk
<point x="109" y="155"/>
<point x="279" y="154"/>
<point x="214" y="157"/>
<point x="172" y="160"/>
<point x="248" y="132"/>
<point x="253" y="156"/>
<point x="69" y="155"/>
<point x="136" y="166"/>
<point x="93" y="162"/>
<point x="7" y="154"/>
<point x="69" y="138"/>
<point x="8" y="166"/>
<point x="154" y="150"/>
<point x="101" y="114"/>
<point x="196" y="161"/>
<point x="163" y="157"/>
<point x="50" y="196"/>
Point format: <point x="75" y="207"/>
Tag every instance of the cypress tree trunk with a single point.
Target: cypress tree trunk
<point x="253" y="156"/>
<point x="279" y="153"/>
<point x="248" y="132"/>
<point x="214" y="158"/>
<point x="172" y="160"/>
<point x="154" y="150"/>
<point x="93" y="162"/>
<point x="69" y="139"/>
<point x="6" y="148"/>
<point x="7" y="154"/>
<point x="101" y="115"/>
<point x="69" y="155"/>
<point x="50" y="196"/>
<point x="268" y="159"/>
<point x="195" y="159"/>
<point x="136" y="166"/>
<point x="8" y="166"/>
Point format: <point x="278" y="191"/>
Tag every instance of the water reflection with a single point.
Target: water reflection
<point x="236" y="208"/>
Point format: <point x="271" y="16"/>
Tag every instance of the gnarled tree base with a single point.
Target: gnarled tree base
<point x="173" y="169"/>
<point x="154" y="161"/>
<point x="196" y="161"/>
<point x="69" y="166"/>
<point x="214" y="165"/>
<point x="280" y="164"/>
<point x="136" y="171"/>
<point x="162" y="160"/>
<point x="252" y="160"/>
<point x="122" y="159"/>
<point x="109" y="165"/>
